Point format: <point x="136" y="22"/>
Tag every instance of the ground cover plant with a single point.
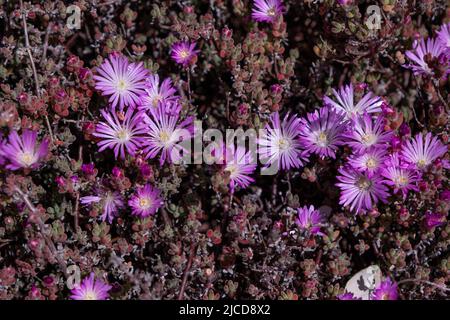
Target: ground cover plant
<point x="102" y="196"/>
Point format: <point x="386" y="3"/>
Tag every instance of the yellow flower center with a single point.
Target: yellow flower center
<point x="368" y="139"/>
<point x="364" y="183"/>
<point x="401" y="180"/>
<point x="322" y="139"/>
<point x="283" y="144"/>
<point x="371" y="163"/>
<point x="145" y="203"/>
<point x="156" y="99"/>
<point x="164" y="136"/>
<point x="232" y="169"/>
<point x="122" y="85"/>
<point x="90" y="295"/>
<point x="184" y="53"/>
<point x="123" y="135"/>
<point x="27" y="159"/>
<point x="271" y="12"/>
<point x="421" y="163"/>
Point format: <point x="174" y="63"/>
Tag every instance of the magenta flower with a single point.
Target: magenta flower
<point x="165" y="133"/>
<point x="366" y="133"/>
<point x="266" y="10"/>
<point x="309" y="219"/>
<point x="421" y="151"/>
<point x="184" y="53"/>
<point x="370" y="161"/>
<point x="398" y="176"/>
<point x="386" y="290"/>
<point x="433" y="220"/>
<point x="146" y="201"/>
<point x="347" y="296"/>
<point x="91" y="289"/>
<point x="23" y="151"/>
<point x="345" y="102"/>
<point x="423" y="54"/>
<point x="109" y="201"/>
<point x="359" y="190"/>
<point x="156" y="94"/>
<point x="124" y="134"/>
<point x="279" y="143"/>
<point x="240" y="165"/>
<point x="443" y="36"/>
<point x="322" y="132"/>
<point x="121" y="81"/>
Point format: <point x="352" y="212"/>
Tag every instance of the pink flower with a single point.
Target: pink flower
<point x="121" y="81"/>
<point x="145" y="201"/>
<point x="23" y="151"/>
<point x="184" y="53"/>
<point x="91" y="289"/>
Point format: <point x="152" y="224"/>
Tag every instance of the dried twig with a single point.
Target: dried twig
<point x="33" y="66"/>
<point x="186" y="272"/>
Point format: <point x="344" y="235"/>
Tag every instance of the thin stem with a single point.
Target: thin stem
<point x="426" y="282"/>
<point x="186" y="271"/>
<point x="33" y="66"/>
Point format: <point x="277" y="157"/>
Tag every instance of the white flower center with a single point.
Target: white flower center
<point x="322" y="139"/>
<point x="371" y="163"/>
<point x="27" y="159"/>
<point x="271" y="12"/>
<point x="401" y="181"/>
<point x="422" y="163"/>
<point x="122" y="85"/>
<point x="283" y="144"/>
<point x="123" y="135"/>
<point x="368" y="139"/>
<point x="232" y="169"/>
<point x="184" y="53"/>
<point x="145" y="203"/>
<point x="90" y="295"/>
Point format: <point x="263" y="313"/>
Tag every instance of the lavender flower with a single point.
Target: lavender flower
<point x="443" y="37"/>
<point x="146" y="201"/>
<point x="370" y="161"/>
<point x="122" y="81"/>
<point x="359" y="190"/>
<point x="423" y="54"/>
<point x="279" y="143"/>
<point x="433" y="220"/>
<point x="120" y="135"/>
<point x="309" y="219"/>
<point x="156" y="94"/>
<point x="386" y="290"/>
<point x="91" y="289"/>
<point x="110" y="201"/>
<point x="239" y="164"/>
<point x="398" y="176"/>
<point x="266" y="10"/>
<point x="164" y="134"/>
<point x="345" y="102"/>
<point x="23" y="151"/>
<point x="184" y="53"/>
<point x="366" y="133"/>
<point x="322" y="132"/>
<point x="421" y="151"/>
<point x="347" y="296"/>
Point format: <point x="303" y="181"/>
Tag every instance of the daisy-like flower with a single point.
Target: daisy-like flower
<point x="398" y="176"/>
<point x="279" y="143"/>
<point x="184" y="53"/>
<point x="347" y="296"/>
<point x="266" y="10"/>
<point x="359" y="190"/>
<point x="123" y="82"/>
<point x="91" y="289"/>
<point x="165" y="133"/>
<point x="443" y="36"/>
<point x="366" y="133"/>
<point x="146" y="201"/>
<point x="322" y="132"/>
<point x="309" y="219"/>
<point x="386" y="290"/>
<point x="110" y="202"/>
<point x="345" y="102"/>
<point x="156" y="94"/>
<point x="422" y="150"/>
<point x="240" y="165"/>
<point x="124" y="134"/>
<point x="424" y="54"/>
<point x="23" y="151"/>
<point x="371" y="161"/>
